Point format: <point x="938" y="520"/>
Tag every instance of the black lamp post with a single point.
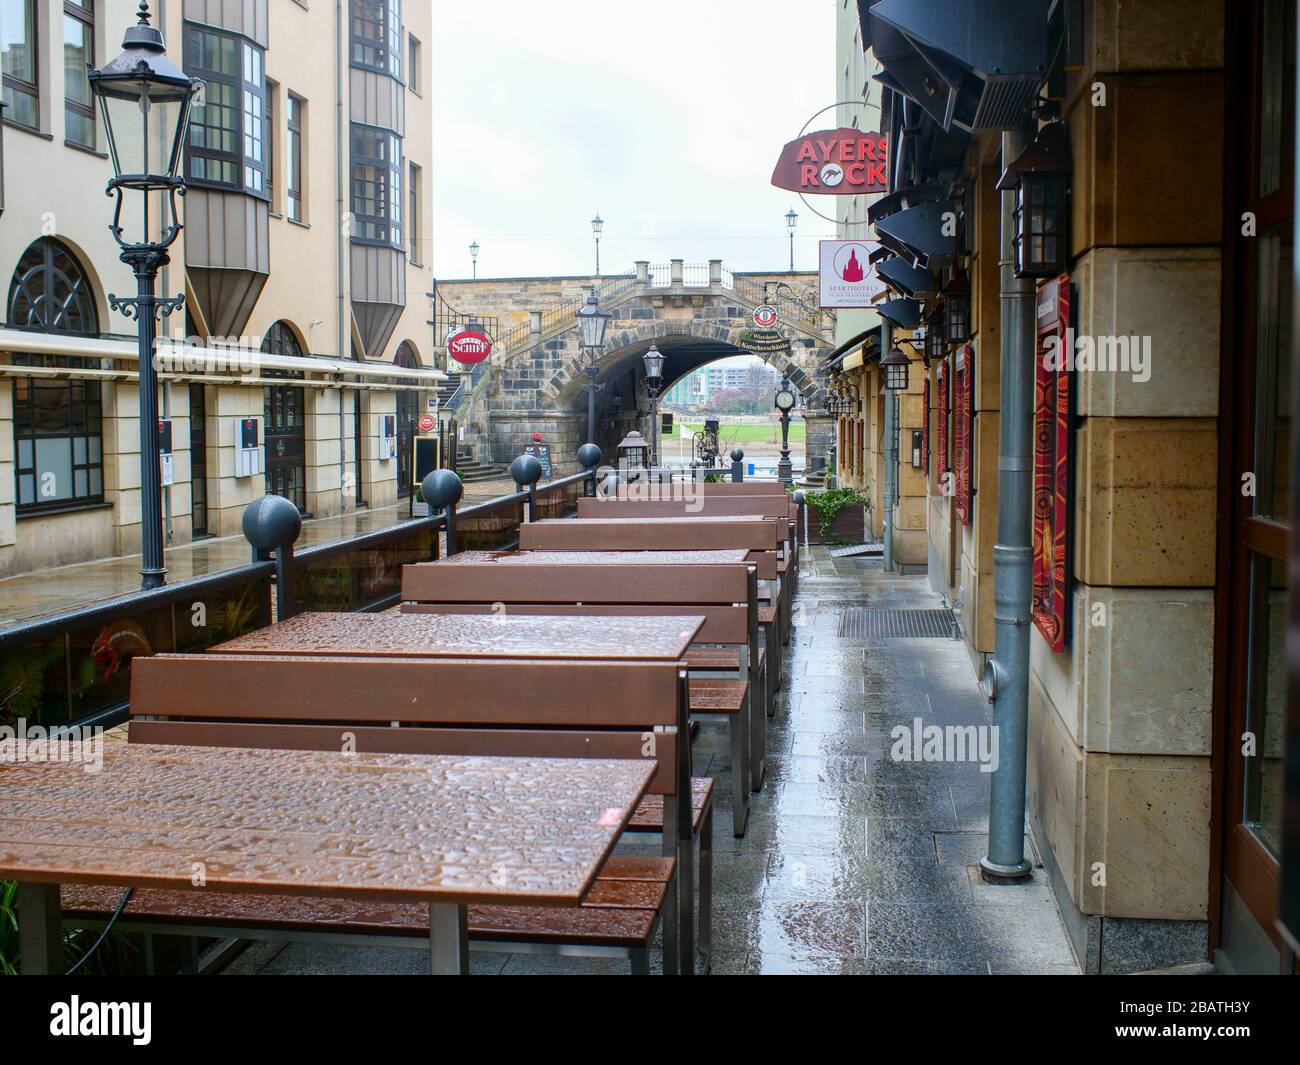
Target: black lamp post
<point x="654" y="379"/>
<point x="591" y="329"/>
<point x="597" y="228"/>
<point x="145" y="101"/>
<point x="792" y="223"/>
<point x="785" y="400"/>
<point x="473" y="259"/>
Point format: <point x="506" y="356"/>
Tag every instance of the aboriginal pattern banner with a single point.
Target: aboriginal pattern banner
<point x="941" y="426"/>
<point x="963" y="430"/>
<point x="925" y="428"/>
<point x="1052" y="466"/>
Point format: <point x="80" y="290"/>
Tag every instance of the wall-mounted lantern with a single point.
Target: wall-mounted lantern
<point x="896" y="366"/>
<point x="1040" y="176"/>
<point x="956" y="309"/>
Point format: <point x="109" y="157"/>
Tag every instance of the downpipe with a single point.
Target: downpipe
<point x="1006" y="676"/>
<point x="887" y="495"/>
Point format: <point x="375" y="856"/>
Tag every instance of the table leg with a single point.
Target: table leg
<point x="40" y="929"/>
<point x="448" y="939"/>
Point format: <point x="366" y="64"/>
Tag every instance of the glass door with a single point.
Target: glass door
<point x="1253" y="573"/>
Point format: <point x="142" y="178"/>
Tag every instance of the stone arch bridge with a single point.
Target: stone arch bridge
<point x="694" y="313"/>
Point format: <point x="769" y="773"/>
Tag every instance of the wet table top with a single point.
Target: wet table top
<point x="596" y="558"/>
<point x="473" y="636"/>
<point x="376" y="826"/>
<point x="678" y="533"/>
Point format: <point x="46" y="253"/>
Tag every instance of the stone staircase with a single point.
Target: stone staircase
<point x="471" y="470"/>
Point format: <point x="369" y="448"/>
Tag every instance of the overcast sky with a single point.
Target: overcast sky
<point x="666" y="117"/>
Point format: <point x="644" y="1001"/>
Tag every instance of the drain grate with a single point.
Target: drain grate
<point x="869" y="563"/>
<point x="866" y="624"/>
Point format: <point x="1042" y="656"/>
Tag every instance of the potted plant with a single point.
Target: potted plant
<point x="837" y="516"/>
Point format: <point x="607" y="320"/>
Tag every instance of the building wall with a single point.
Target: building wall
<point x="309" y="286"/>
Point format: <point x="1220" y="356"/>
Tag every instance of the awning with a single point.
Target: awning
<point x="904" y="313"/>
<point x="852" y="361"/>
<point x="908" y="197"/>
<point x="838" y="353"/>
<point x="905" y="279"/>
<point x="922" y="229"/>
<point x="976" y="63"/>
<point x="214" y="362"/>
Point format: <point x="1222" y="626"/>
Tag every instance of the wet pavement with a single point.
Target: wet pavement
<point x="854" y="862"/>
<point x="49" y="591"/>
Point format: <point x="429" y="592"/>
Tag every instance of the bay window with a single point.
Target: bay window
<point x="377" y="36"/>
<point x="376" y="185"/>
<point x="227" y="142"/>
<point x="18" y="63"/>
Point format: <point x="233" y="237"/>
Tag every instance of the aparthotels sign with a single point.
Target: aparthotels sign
<point x="835" y="162"/>
<point x="845" y="275"/>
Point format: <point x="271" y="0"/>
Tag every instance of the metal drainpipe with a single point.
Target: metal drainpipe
<point x="1006" y="675"/>
<point x="887" y="495"/>
<point x="343" y="144"/>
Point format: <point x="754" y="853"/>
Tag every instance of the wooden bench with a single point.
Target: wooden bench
<point x="727" y="678"/>
<point x="510" y="707"/>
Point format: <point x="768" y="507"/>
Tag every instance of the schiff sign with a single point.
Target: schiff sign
<point x="469" y="347"/>
<point x="835" y="162"/>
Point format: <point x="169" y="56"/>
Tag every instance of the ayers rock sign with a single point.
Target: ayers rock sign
<point x="837" y="162"/>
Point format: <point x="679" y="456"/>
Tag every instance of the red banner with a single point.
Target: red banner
<point x="1050" y="604"/>
<point x="963" y="429"/>
<point x="835" y="162"/>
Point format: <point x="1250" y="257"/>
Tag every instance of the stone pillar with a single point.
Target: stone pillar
<point x="535" y="322"/>
<point x="380" y="476"/>
<point x="228" y="495"/>
<point x="122" y="463"/>
<point x="677" y="272"/>
<point x="8" y="501"/>
<point x="325" y="442"/>
<point x="715" y="273"/>
<point x="643" y="272"/>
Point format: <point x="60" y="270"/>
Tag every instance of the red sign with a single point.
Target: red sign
<point x="426" y="423"/>
<point x="469" y="347"/>
<point x="765" y="317"/>
<point x="836" y="162"/>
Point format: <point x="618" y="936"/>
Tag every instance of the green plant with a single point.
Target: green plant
<point x="831" y="502"/>
<point x="113" y="956"/>
<point x="8" y="928"/>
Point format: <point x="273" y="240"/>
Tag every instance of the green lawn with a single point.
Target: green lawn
<point x="743" y="433"/>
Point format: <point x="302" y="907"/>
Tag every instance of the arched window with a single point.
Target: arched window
<point x="285" y="422"/>
<point x="408" y="413"/>
<point x="58" y="436"/>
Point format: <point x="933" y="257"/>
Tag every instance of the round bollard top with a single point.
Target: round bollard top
<point x="442" y="488"/>
<point x="589" y="455"/>
<point x="737" y="455"/>
<point x="799" y="498"/>
<point x="526" y="470"/>
<point x="271" y="522"/>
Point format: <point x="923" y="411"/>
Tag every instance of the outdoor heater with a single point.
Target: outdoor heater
<point x="145" y="101"/>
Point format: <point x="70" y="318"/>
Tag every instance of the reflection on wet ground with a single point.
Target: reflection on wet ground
<point x="50" y="591"/>
<point x="853" y="863"/>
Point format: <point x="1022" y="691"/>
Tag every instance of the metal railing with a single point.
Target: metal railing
<point x="74" y="667"/>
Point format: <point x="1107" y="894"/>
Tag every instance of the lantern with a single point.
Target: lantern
<point x="895" y="366"/>
<point x="592" y="322"/>
<point x="1040" y="176"/>
<point x="956" y="310"/>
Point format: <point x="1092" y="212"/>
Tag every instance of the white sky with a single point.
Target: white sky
<point x="666" y="116"/>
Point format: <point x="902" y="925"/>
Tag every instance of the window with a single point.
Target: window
<point x="78" y="53"/>
<point x="377" y="35"/>
<point x="58" y="435"/>
<point x="377" y="185"/>
<point x="293" y="164"/>
<point x="413" y="219"/>
<point x="18" y="62"/>
<point x="413" y="64"/>
<point x="227" y="144"/>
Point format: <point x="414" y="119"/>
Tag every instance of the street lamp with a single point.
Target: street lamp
<point x="591" y="335"/>
<point x="785" y="401"/>
<point x="654" y="379"/>
<point x="473" y="256"/>
<point x="145" y="100"/>
<point x="792" y="223"/>
<point x="597" y="228"/>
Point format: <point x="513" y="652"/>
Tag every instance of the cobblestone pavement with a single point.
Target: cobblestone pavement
<point x="853" y="862"/>
<point x="34" y="595"/>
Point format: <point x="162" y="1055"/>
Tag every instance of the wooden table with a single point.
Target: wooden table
<point x="595" y="558"/>
<point x="639" y="639"/>
<point x="454" y="831"/>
